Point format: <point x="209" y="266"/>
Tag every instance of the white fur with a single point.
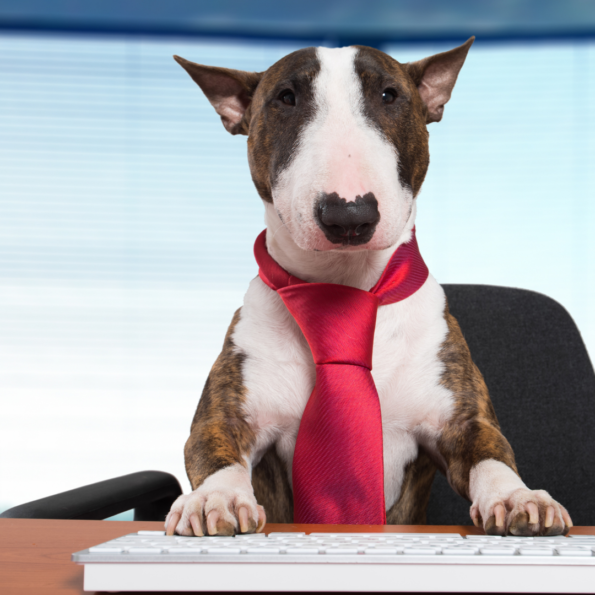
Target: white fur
<point x="225" y="491"/>
<point x="492" y="482"/>
<point x="340" y="151"/>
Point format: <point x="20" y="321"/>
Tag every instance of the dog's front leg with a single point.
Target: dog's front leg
<point x="479" y="461"/>
<point x="218" y="457"/>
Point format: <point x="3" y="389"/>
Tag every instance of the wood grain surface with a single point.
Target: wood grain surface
<point x="35" y="554"/>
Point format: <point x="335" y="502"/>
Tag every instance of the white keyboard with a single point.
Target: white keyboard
<point x="373" y="562"/>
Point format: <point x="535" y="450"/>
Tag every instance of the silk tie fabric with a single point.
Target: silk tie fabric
<point x="338" y="469"/>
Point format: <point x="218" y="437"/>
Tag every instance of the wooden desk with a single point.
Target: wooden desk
<point x="35" y="554"/>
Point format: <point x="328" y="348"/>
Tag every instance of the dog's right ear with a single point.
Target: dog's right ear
<point x="229" y="91"/>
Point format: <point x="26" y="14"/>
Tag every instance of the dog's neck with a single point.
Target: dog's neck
<point x="360" y="269"/>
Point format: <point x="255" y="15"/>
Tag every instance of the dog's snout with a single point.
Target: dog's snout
<point x="349" y="223"/>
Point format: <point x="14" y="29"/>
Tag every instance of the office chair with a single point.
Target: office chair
<point x="542" y="385"/>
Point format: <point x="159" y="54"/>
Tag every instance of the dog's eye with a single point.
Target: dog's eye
<point x="287" y="97"/>
<point x="389" y="96"/>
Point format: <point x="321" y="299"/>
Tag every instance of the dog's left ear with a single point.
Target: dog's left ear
<point x="436" y="76"/>
<point x="229" y="91"/>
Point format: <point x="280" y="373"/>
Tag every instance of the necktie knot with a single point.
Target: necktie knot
<point x="337" y="321"/>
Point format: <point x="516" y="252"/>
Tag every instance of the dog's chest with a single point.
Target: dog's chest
<point x="279" y="374"/>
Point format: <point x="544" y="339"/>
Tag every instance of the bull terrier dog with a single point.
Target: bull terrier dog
<point x="338" y="152"/>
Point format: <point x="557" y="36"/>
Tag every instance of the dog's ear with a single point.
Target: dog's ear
<point x="436" y="76"/>
<point x="229" y="91"/>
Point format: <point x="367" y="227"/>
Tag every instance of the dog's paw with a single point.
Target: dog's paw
<point x="524" y="512"/>
<point x="223" y="505"/>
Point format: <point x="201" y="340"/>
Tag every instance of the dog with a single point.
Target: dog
<point x="338" y="152"/>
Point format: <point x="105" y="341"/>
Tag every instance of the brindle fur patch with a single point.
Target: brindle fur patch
<point x="271" y="488"/>
<point x="220" y="436"/>
<point x="402" y="123"/>
<point x="274" y="126"/>
<point x="411" y="507"/>
<point x="472" y="434"/>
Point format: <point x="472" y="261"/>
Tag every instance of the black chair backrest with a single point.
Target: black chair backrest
<point x="542" y="385"/>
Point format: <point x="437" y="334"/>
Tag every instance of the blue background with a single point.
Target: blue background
<point x="127" y="213"/>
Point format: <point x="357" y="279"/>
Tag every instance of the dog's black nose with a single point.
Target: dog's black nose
<point x="349" y="223"/>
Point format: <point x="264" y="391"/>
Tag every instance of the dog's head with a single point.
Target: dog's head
<point x="337" y="138"/>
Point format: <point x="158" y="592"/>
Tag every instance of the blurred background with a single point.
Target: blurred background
<point x="116" y="178"/>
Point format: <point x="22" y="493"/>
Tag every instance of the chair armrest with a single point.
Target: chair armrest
<point x="150" y="493"/>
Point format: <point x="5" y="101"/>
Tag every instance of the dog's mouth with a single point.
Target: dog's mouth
<point x="347" y="223"/>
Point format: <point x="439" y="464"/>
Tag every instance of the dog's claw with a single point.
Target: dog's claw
<point x="172" y="523"/>
<point x="533" y="511"/>
<point x="549" y="517"/>
<point x="196" y="525"/>
<point x="566" y="518"/>
<point x="262" y="519"/>
<point x="500" y="514"/>
<point x="243" y="518"/>
<point x="475" y="516"/>
<point x="212" y="519"/>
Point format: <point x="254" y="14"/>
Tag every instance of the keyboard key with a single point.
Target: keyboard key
<point x="459" y="551"/>
<point x="384" y="551"/>
<point x="498" y="551"/>
<point x="151" y="532"/>
<point x="144" y="550"/>
<point x="302" y="551"/>
<point x="264" y="550"/>
<point x="184" y="550"/>
<point x="223" y="550"/>
<point x="421" y="551"/>
<point x="336" y="551"/>
<point x="574" y="551"/>
<point x="534" y="551"/>
<point x="106" y="550"/>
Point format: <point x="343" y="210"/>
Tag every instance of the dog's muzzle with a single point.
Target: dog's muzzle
<point x="348" y="223"/>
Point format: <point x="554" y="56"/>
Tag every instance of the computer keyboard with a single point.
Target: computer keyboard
<point x="348" y="562"/>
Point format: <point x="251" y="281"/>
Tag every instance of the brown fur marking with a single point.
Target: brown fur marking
<point x="472" y="434"/>
<point x="410" y="508"/>
<point x="404" y="122"/>
<point x="271" y="488"/>
<point x="275" y="127"/>
<point x="220" y="436"/>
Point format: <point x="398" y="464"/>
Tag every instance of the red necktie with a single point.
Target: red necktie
<point x="338" y="469"/>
